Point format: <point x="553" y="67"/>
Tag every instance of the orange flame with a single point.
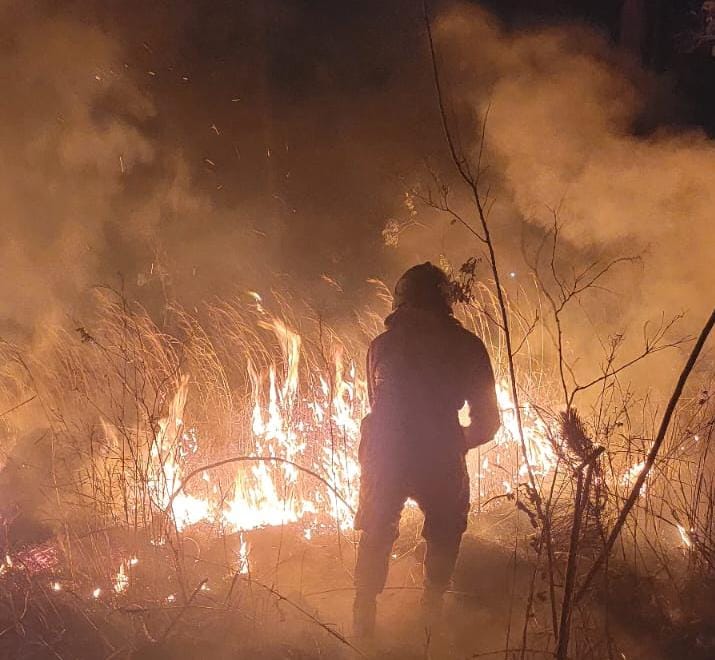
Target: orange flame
<point x="301" y="417"/>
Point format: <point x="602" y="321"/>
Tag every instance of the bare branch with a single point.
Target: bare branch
<point x="650" y="458"/>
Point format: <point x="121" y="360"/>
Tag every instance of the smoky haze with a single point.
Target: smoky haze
<point x="188" y="151"/>
<point x="564" y="112"/>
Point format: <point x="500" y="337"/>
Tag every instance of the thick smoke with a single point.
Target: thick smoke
<point x="561" y="128"/>
<point x="190" y="151"/>
<point x="575" y="130"/>
<point x="62" y="165"/>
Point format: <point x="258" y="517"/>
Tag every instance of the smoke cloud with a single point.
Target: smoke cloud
<point x="193" y="151"/>
<point x="562" y="131"/>
<point x="61" y="163"/>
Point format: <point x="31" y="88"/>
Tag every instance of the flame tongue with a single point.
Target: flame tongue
<point x="300" y="417"/>
<point x="540" y="451"/>
<point x="320" y="433"/>
<point x="166" y="481"/>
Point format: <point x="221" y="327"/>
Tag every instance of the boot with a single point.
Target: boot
<point x="364" y="614"/>
<point x="440" y="558"/>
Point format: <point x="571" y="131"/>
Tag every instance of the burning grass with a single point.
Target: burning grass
<point x="163" y="479"/>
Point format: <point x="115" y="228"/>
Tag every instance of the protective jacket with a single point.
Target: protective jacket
<point x="421" y="371"/>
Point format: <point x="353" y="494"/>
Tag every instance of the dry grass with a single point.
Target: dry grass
<point x="78" y="460"/>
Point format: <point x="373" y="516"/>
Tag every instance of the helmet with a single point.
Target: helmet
<point x="425" y="286"/>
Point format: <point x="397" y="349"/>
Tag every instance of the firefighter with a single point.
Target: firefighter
<point x="420" y="371"/>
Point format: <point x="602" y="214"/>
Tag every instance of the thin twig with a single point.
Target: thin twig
<point x="19" y="405"/>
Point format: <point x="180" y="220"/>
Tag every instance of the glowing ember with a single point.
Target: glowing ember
<point x="121" y="580"/>
<point x="631" y="474"/>
<point x="685" y="536"/>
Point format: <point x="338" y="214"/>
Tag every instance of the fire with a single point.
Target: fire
<point x="304" y="434"/>
<point x="244" y="550"/>
<point x="166" y="481"/>
<point x="465" y="420"/>
<point x="540" y="451"/>
<point x="289" y="425"/>
<point x="629" y="477"/>
<point x="684" y="536"/>
<point x="305" y="427"/>
<point x="318" y="430"/>
<point x="299" y="431"/>
<point x="121" y="580"/>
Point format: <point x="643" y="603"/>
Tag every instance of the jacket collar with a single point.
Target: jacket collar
<point x="409" y="315"/>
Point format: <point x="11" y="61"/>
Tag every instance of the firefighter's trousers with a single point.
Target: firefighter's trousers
<point x="440" y="486"/>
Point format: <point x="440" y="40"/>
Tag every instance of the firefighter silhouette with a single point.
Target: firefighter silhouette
<point x="420" y="371"/>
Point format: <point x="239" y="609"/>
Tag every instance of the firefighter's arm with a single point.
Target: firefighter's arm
<point x="482" y="399"/>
